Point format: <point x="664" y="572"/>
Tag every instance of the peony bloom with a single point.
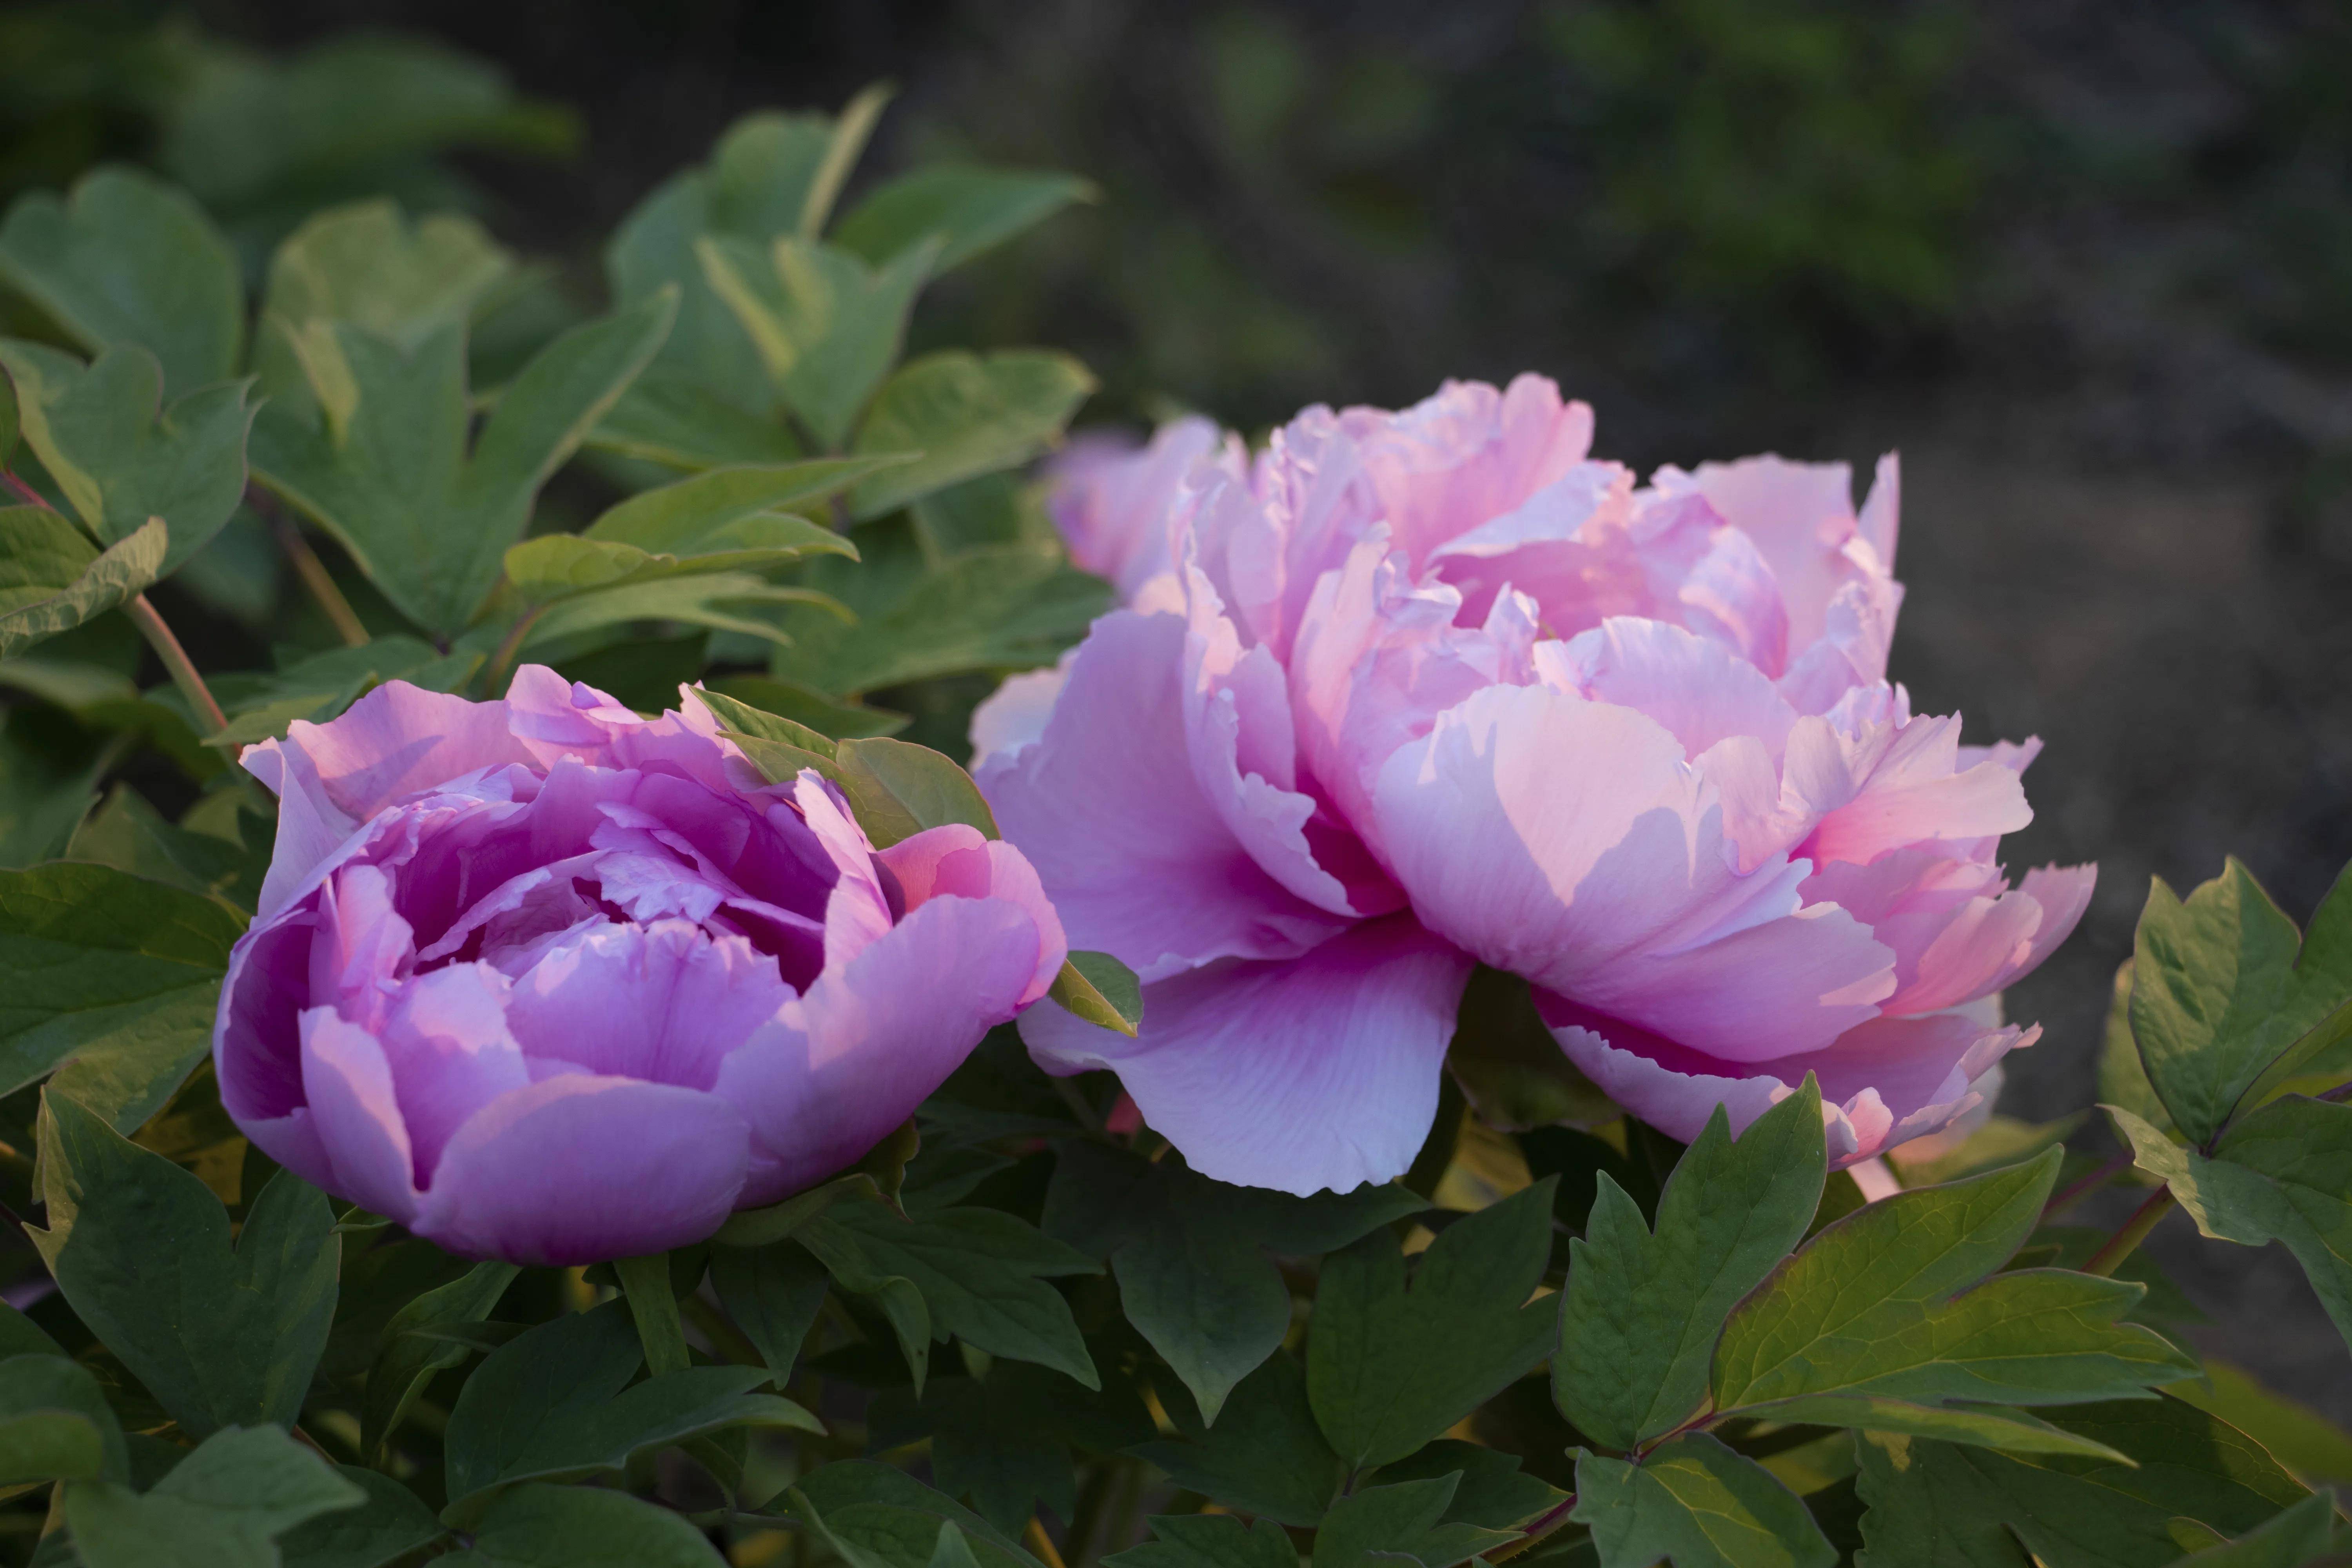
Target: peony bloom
<point x="1425" y="688"/>
<point x="547" y="981"/>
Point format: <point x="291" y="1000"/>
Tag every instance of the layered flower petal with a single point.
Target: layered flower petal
<point x="533" y="1011"/>
<point x="1882" y="1082"/>
<point x="1569" y="841"/>
<point x="1316" y="1073"/>
<point x="1108" y="806"/>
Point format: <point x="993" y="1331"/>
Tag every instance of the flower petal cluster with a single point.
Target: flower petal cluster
<point x="545" y="980"/>
<point x="1410" y="691"/>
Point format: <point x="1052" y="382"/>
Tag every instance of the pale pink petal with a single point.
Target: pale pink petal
<point x="1316" y="1072"/>
<point x="580" y="1169"/>
<point x="1915" y="796"/>
<point x="1244" y="745"/>
<point x="1798" y="514"/>
<point x="956" y="861"/>
<point x="1106" y="806"/>
<point x="1111" y="498"/>
<point x="1568" y="841"/>
<point x="1883" y="1083"/>
<point x="1470" y="453"/>
<point x="1882" y="512"/>
<point x="1015" y="714"/>
<point x="1698" y="688"/>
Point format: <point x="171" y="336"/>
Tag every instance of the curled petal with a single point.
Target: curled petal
<point x="831" y="1074"/>
<point x="1570" y="842"/>
<point x="1305" y="1074"/>
<point x="1882" y="1082"/>
<point x="1106" y="806"/>
<point x="580" y="1169"/>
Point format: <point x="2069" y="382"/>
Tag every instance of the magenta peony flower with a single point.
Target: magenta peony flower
<point x="547" y="981"/>
<point x="1435" y="686"/>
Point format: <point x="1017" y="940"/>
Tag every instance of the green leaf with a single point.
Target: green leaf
<point x="874" y="1516"/>
<point x="1492" y="1490"/>
<point x="1696" y="1504"/>
<point x="51" y="581"/>
<point x="381" y="459"/>
<point x="996" y="607"/>
<point x="1389" y="1368"/>
<point x="2300" y="1536"/>
<point x="141" y="1248"/>
<point x="899" y="789"/>
<point x="2283" y="1173"/>
<point x="543" y="1383"/>
<point x="980" y="1272"/>
<point x="127" y="834"/>
<point x="1265" y="1455"/>
<point x="967" y="208"/>
<point x="127" y="259"/>
<point x="646" y="1285"/>
<point x="112" y="977"/>
<point x="1380" y="1525"/>
<point x="663" y="418"/>
<point x="1641" y="1311"/>
<point x="1192" y="1255"/>
<point x="812" y="714"/>
<point x="367" y="264"/>
<point x="2122" y="1080"/>
<point x="2318" y="1450"/>
<point x="1004" y="1442"/>
<point x="1937" y="1505"/>
<point x="1209" y="1541"/>
<point x="1101" y="990"/>
<point x="247" y="132"/>
<point x="122" y="457"/>
<point x="724" y="601"/>
<point x="1990" y="1425"/>
<point x="773" y="1293"/>
<point x="406" y="1359"/>
<point x="967" y="415"/>
<point x="582" y="1527"/>
<point x="708" y="400"/>
<point x="2223" y="988"/>
<point x="221" y="1506"/>
<point x="54" y="1424"/>
<point x="826" y="327"/>
<point x="746" y="509"/>
<point x="392" y="1523"/>
<point x="1887" y="1301"/>
<point x="668" y="1408"/>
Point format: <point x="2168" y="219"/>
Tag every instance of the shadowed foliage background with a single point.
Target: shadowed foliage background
<point x="2089" y="265"/>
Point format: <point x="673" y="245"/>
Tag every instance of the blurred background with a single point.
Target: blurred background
<point x="2087" y="266"/>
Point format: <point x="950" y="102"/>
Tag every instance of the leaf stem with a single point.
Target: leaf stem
<point x="159" y="636"/>
<point x="2132" y="1233"/>
<point x="314" y="574"/>
<point x="2074" y="1192"/>
<point x="1544" y="1524"/>
<point x="645" y="1282"/>
<point x="724" y="1337"/>
<point x="1041" y="1544"/>
<point x="502" y="662"/>
<point x="175" y="659"/>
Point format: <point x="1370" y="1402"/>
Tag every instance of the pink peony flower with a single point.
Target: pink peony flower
<point x="547" y="981"/>
<point x="1425" y="688"/>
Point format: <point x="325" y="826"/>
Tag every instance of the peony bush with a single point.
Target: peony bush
<point x="1446" y="1009"/>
